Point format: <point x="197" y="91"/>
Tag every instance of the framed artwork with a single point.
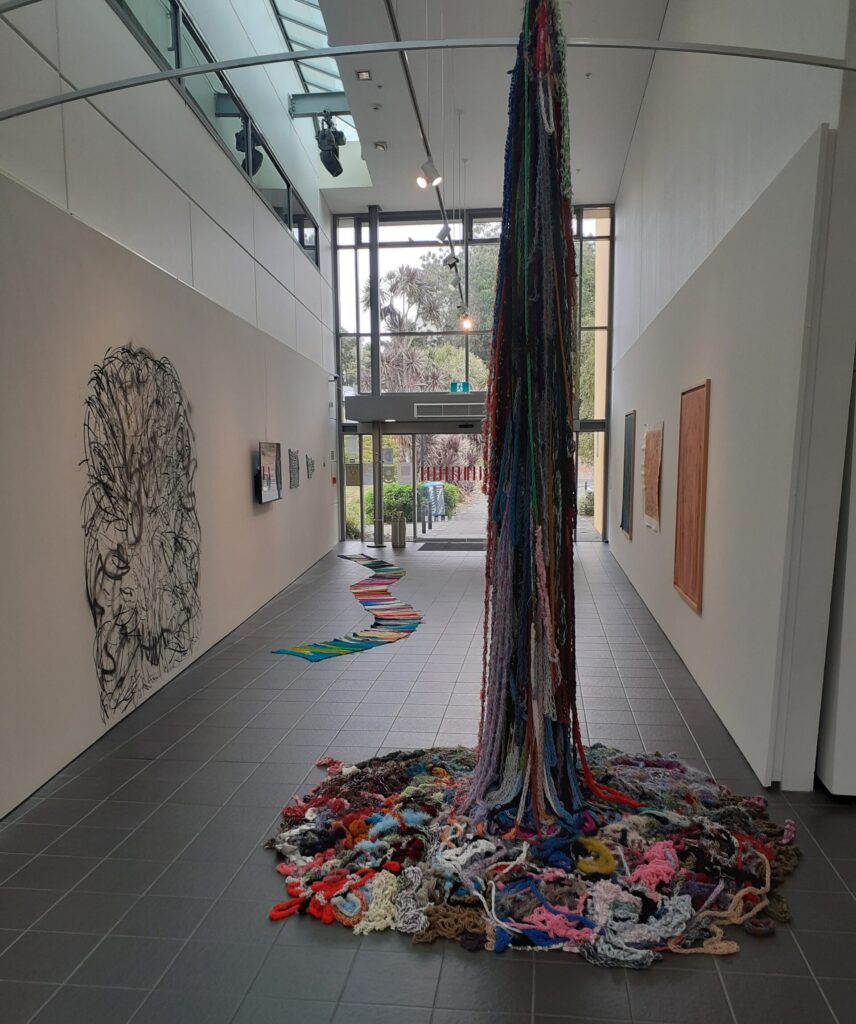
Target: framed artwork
<point x="310" y="467"/>
<point x="627" y="480"/>
<point x="293" y="469"/>
<point x="270" y="471"/>
<point x="652" y="460"/>
<point x="692" y="494"/>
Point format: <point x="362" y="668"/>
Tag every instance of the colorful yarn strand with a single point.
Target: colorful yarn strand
<point x="393" y="620"/>
<point x="532" y="769"/>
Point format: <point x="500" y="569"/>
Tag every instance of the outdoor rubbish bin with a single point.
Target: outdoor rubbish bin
<point x="399" y="531"/>
<point x="436" y="498"/>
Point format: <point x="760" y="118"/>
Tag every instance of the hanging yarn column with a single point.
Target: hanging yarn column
<point x="530" y="747"/>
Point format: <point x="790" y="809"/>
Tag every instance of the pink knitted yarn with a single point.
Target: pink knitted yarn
<point x="557" y="926"/>
<point x="659" y="863"/>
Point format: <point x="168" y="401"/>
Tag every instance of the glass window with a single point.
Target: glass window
<point x="348" y="365"/>
<point x="348" y="294"/>
<point x="271" y="184"/>
<point x="353" y="515"/>
<point x="415" y="231"/>
<point x="591" y="388"/>
<point x="479" y="343"/>
<point x="363" y="304"/>
<point x="596" y="222"/>
<point x="154" y="20"/>
<point x="591" y="467"/>
<point x="430" y="362"/>
<point x="218" y="104"/>
<point x="367" y="453"/>
<point x="594" y="283"/>
<point x="365" y="369"/>
<point x="417" y="290"/>
<point x="345" y="234"/>
<point x="482" y="261"/>
<point x="303" y="228"/>
<point x="486" y="227"/>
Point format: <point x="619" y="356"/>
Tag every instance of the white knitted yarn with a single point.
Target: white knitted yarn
<point x="381" y="913"/>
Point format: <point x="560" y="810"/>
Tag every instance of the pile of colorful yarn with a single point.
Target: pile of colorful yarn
<point x="381" y="845"/>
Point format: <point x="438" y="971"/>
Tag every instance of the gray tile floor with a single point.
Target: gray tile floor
<point x="134" y="886"/>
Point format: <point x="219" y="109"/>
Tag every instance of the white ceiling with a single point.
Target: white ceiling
<point x="605" y="91"/>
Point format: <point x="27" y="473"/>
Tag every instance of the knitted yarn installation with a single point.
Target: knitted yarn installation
<point x="393" y="619"/>
<point x="534" y="841"/>
<point x="529" y="737"/>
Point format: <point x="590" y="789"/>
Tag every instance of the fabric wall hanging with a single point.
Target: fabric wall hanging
<point x="652" y="458"/>
<point x="627" y="474"/>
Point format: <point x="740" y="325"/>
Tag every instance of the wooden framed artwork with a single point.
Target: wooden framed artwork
<point x="652" y="459"/>
<point x="627" y="480"/>
<point x="692" y="494"/>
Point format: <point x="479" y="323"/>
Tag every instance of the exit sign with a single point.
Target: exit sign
<point x="460" y="387"/>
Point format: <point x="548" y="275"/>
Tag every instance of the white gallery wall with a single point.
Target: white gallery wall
<point x="736" y="322"/>
<point x="135" y="226"/>
<point x="734" y="232"/>
<point x="69" y="294"/>
<point x="712" y="133"/>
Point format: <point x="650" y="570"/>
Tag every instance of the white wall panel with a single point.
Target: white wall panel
<point x="95" y="46"/>
<point x="307" y="333"/>
<point x="713" y="132"/>
<point x="31" y="146"/>
<point x="328" y="349"/>
<point x="327" y="313"/>
<point x="114" y="188"/>
<point x="38" y="24"/>
<point x="307" y="283"/>
<point x="140" y="115"/>
<point x="222" y="270"/>
<point x="276" y="308"/>
<point x="273" y="244"/>
<point x="217" y="185"/>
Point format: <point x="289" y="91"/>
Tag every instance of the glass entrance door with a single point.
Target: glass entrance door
<point x="450" y="471"/>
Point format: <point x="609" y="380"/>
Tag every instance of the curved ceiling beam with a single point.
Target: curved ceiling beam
<point x="364" y="49"/>
<point x="13" y="5"/>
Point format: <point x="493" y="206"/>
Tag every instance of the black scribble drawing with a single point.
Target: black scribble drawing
<point x="141" y="530"/>
<point x="293" y="469"/>
<point x="310" y="467"/>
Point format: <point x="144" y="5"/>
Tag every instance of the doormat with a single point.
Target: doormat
<point x="393" y="620"/>
<point x="452" y="545"/>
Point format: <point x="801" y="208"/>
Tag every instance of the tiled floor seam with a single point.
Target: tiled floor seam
<point x="814" y="977"/>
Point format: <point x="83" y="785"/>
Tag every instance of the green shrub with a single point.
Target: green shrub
<point x="585" y="504"/>
<point x="452" y="494"/>
<point x="397" y="499"/>
<point x="352" y="527"/>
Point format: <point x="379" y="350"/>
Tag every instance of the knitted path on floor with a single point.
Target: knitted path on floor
<point x="393" y="620"/>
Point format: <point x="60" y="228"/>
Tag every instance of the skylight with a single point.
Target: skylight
<point x="303" y="27"/>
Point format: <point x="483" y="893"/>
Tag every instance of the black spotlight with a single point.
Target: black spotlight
<point x="254" y="157"/>
<point x="329" y="140"/>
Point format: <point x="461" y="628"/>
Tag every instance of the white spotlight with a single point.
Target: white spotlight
<point x="429" y="175"/>
<point x="444" y="233"/>
<point x="465" y="322"/>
